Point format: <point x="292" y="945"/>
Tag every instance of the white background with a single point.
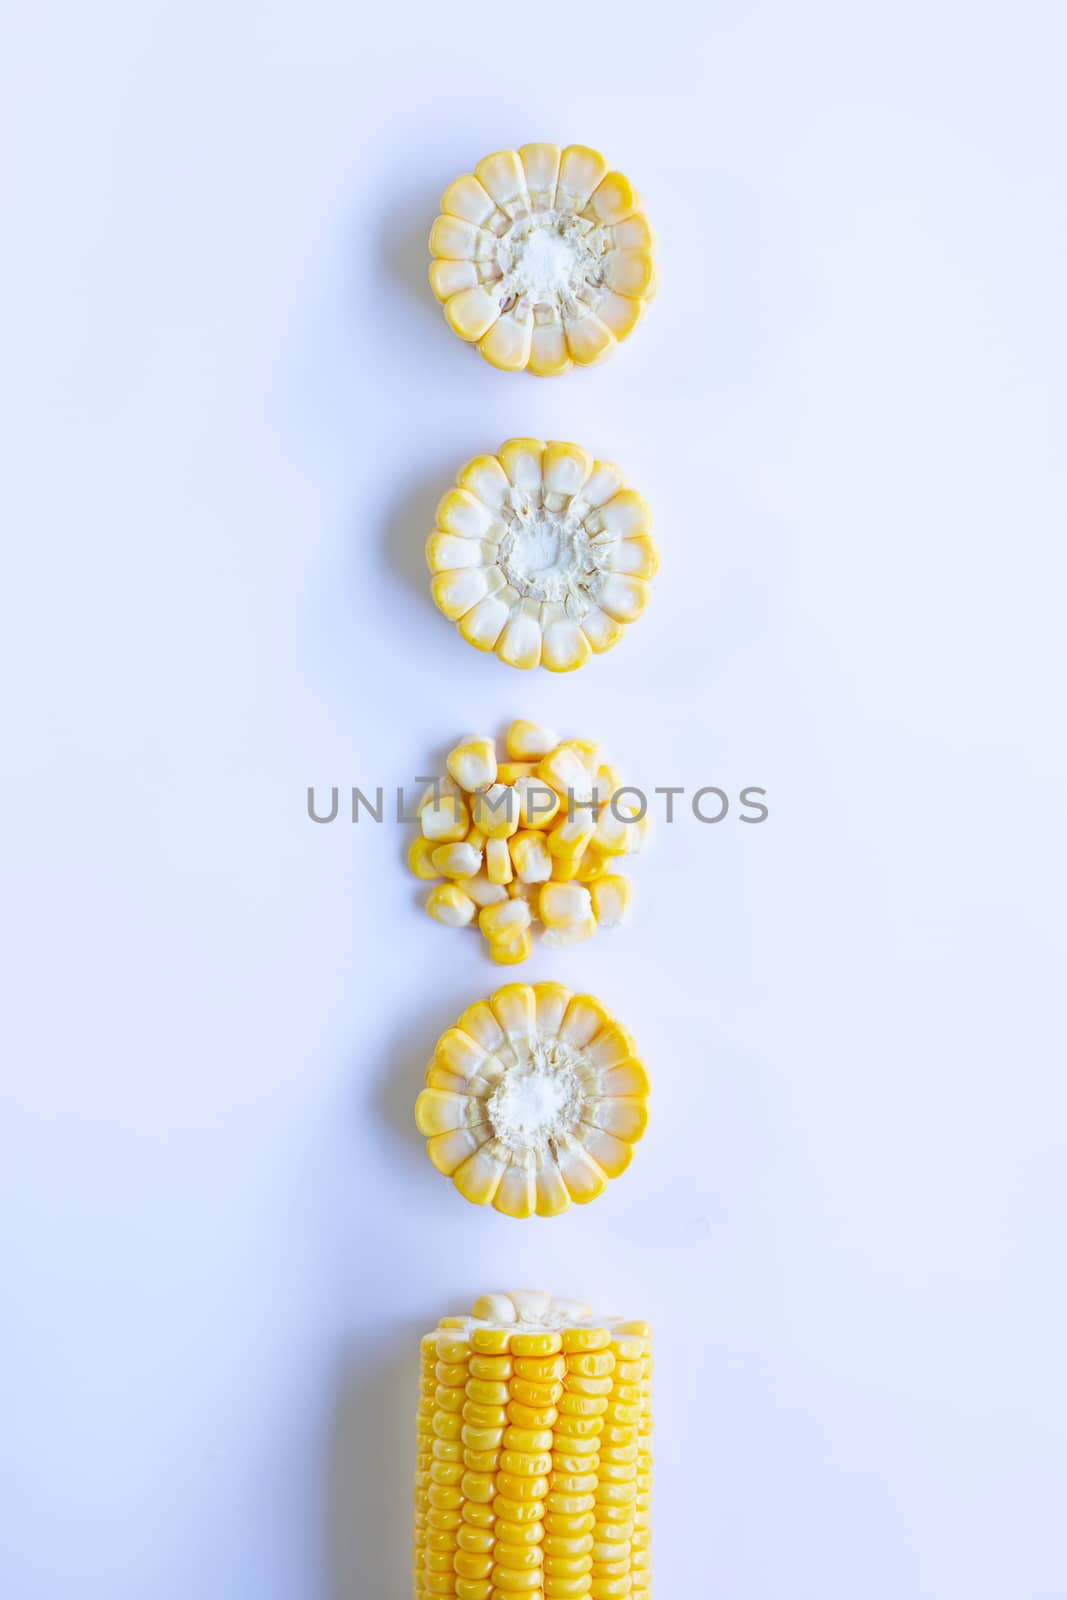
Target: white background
<point x="229" y="405"/>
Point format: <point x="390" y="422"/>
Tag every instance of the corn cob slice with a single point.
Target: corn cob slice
<point x="542" y="258"/>
<point x="533" y="1100"/>
<point x="541" y="554"/>
<point x="536" y="838"/>
<point x="534" y="1468"/>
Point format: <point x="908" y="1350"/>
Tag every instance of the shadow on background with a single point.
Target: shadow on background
<point x="410" y="525"/>
<point x="371" y="1470"/>
<point x="403" y="1075"/>
<point x="405" y="244"/>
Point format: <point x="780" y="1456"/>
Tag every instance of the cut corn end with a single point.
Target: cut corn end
<point x="535" y="1099"/>
<point x="541" y="555"/>
<point x="542" y="258"/>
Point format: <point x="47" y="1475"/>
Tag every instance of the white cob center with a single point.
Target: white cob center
<point x="547" y="557"/>
<point x="536" y="1101"/>
<point x="548" y="257"/>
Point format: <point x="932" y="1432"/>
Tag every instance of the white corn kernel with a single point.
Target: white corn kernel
<point x="529" y="741"/>
<point x="498" y="861"/>
<point x="538" y="802"/>
<point x="530" y="855"/>
<point x="456" y="860"/>
<point x="448" y="904"/>
<point x="473" y="763"/>
<point x="564" y="905"/>
<point x="481" y="891"/>
<point x="445" y="821"/>
<point x="496" y="812"/>
<point x="611" y="899"/>
<point x="505" y="920"/>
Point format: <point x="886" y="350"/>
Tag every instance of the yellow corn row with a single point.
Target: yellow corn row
<point x="541" y="554"/>
<point x="534" y="1471"/>
<point x="542" y="258"/>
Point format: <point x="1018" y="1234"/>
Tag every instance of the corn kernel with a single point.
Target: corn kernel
<point x="455" y="860"/>
<point x="472" y="764"/>
<point x="445" y="821"/>
<point x="496" y="812"/>
<point x="529" y="741"/>
<point x="420" y="858"/>
<point x="498" y="861"/>
<point x="611" y="899"/>
<point x="449" y="905"/>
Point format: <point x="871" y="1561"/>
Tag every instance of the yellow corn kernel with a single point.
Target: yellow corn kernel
<point x="564" y="770"/>
<point x="611" y="898"/>
<point x="460" y="860"/>
<point x="498" y="861"/>
<point x="511" y="771"/>
<point x="529" y="741"/>
<point x="570" y="837"/>
<point x="564" y="905"/>
<point x="496" y="812"/>
<point x="420" y="858"/>
<point x="481" y="891"/>
<point x="446" y="820"/>
<point x="591" y="864"/>
<point x="619" y="828"/>
<point x="531" y="857"/>
<point x="503" y="922"/>
<point x="472" y="764"/>
<point x="449" y="905"/>
<point x="529" y="892"/>
<point x="538" y="802"/>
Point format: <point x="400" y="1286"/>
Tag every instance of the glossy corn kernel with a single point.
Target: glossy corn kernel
<point x="542" y="555"/>
<point x="542" y="258"/>
<point x="533" y="1471"/>
<point x="531" y="841"/>
<point x="535" y="1098"/>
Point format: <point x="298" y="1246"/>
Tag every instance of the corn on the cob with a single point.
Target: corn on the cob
<point x="520" y="841"/>
<point x="542" y="258"/>
<point x="533" y="1469"/>
<point x="535" y="1098"/>
<point x="540" y="554"/>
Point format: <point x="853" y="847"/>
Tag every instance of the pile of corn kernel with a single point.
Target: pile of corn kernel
<point x="534" y="838"/>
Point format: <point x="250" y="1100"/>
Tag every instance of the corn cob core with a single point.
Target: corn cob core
<point x="534" y="1472"/>
<point x="541" y="554"/>
<point x="542" y="258"/>
<point x="533" y="1100"/>
<point x="536" y="838"/>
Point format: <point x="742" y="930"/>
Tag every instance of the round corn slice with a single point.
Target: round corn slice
<point x="533" y="1100"/>
<point x="541" y="555"/>
<point x="543" y="258"/>
<point x="542" y="843"/>
<point x="533" y="1470"/>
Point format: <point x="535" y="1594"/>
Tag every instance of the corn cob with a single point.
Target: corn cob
<point x="541" y="554"/>
<point x="533" y="1100"/>
<point x="542" y="258"/>
<point x="536" y="838"/>
<point x="534" y="1471"/>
